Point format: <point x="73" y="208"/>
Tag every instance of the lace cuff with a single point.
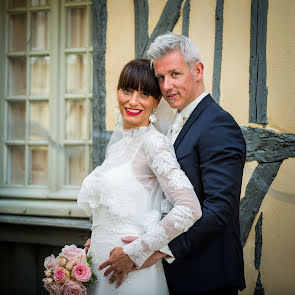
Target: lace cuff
<point x="138" y="257"/>
<point x="166" y="250"/>
<point x="143" y="247"/>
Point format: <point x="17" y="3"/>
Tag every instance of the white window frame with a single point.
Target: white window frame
<point x="56" y="199"/>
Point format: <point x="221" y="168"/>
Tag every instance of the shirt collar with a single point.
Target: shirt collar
<point x="186" y="112"/>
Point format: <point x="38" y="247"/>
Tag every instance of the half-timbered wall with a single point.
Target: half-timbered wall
<point x="248" y="52"/>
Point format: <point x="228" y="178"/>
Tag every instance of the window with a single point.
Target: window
<point x="47" y="101"/>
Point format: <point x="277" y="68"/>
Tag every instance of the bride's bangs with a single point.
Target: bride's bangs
<point x="138" y="75"/>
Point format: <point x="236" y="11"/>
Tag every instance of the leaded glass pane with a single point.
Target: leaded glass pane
<point x="40" y="74"/>
<point x="39" y="165"/>
<point x="16" y="120"/>
<point x="40" y="30"/>
<point x="76" y="27"/>
<point x="75" y="165"/>
<point x="17" y="3"/>
<point x="16" y="164"/>
<point x="39" y="120"/>
<point x="76" y="73"/>
<point x="17" y="76"/>
<point x="40" y="2"/>
<point x="75" y="119"/>
<point x="90" y="34"/>
<point x="17" y="32"/>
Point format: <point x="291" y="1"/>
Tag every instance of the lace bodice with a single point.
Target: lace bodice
<point x="130" y="183"/>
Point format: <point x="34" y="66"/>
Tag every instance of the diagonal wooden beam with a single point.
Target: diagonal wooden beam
<point x="256" y="189"/>
<point x="167" y="21"/>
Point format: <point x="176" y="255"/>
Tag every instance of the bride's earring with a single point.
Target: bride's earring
<point x="153" y="117"/>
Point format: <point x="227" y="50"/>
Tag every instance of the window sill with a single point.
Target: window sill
<point x="47" y="221"/>
<point x="39" y="193"/>
<point x="61" y="208"/>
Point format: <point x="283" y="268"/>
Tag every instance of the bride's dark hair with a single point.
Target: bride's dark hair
<point x="138" y="75"/>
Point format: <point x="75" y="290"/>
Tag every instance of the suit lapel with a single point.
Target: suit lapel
<point x="192" y="118"/>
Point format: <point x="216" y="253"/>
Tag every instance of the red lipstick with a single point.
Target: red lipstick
<point x="135" y="113"/>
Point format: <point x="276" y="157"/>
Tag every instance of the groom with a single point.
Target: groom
<point x="210" y="148"/>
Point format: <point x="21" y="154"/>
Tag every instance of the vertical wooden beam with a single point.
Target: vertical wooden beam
<point x="186" y="18"/>
<point x="141" y="12"/>
<point x="99" y="137"/>
<point x="218" y="50"/>
<point x="257" y="68"/>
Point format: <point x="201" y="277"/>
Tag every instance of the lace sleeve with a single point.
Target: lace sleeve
<point x="178" y="189"/>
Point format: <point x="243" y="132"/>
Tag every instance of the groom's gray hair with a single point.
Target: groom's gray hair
<point x="169" y="42"/>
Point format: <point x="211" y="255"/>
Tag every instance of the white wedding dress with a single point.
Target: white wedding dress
<point x="124" y="197"/>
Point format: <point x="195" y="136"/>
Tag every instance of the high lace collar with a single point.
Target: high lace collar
<point x="135" y="132"/>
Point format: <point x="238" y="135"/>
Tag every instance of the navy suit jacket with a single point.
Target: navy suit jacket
<point x="211" y="150"/>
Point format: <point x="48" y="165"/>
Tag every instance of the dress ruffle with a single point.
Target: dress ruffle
<point x="124" y="197"/>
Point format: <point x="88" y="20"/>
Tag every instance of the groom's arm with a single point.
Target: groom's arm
<point x="222" y="156"/>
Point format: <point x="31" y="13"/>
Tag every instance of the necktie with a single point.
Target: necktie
<point x="175" y="127"/>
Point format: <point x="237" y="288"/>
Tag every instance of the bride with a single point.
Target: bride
<point x="124" y="194"/>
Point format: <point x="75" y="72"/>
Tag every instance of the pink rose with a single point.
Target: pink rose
<point x="69" y="265"/>
<point x="73" y="288"/>
<point x="77" y="260"/>
<point x="71" y="251"/>
<point x="52" y="287"/>
<point x="47" y="280"/>
<point x="62" y="261"/>
<point x="82" y="272"/>
<point x="61" y="275"/>
<point x="50" y="262"/>
<point x="48" y="273"/>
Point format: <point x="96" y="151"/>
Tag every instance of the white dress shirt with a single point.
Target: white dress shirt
<point x="172" y="135"/>
<point x="185" y="113"/>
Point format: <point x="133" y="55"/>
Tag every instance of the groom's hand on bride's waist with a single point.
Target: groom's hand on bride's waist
<point x="156" y="256"/>
<point x="119" y="264"/>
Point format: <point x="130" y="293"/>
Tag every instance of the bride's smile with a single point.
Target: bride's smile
<point x="133" y="112"/>
<point x="135" y="107"/>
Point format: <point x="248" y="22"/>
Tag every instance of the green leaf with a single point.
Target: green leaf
<point x="89" y="259"/>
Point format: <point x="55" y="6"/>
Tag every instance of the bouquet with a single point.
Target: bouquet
<point x="69" y="273"/>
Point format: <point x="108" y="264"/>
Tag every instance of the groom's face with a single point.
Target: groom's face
<point x="177" y="82"/>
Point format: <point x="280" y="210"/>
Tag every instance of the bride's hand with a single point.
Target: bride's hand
<point x="87" y="245"/>
<point x="119" y="265"/>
